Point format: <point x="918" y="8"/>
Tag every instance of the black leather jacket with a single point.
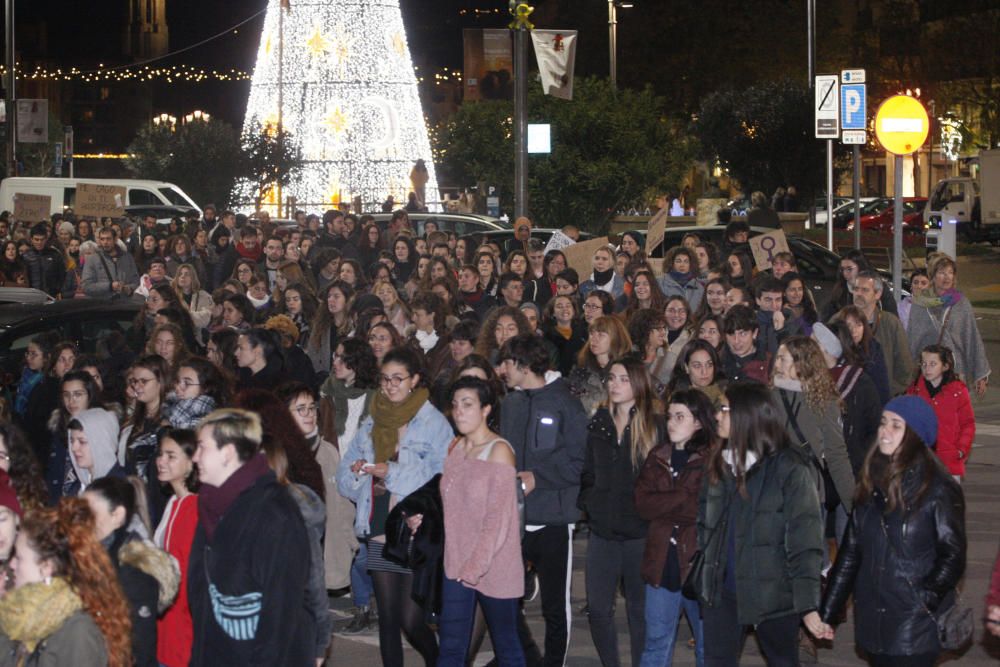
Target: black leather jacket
<point x="895" y="585"/>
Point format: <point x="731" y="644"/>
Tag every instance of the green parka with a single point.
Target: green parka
<point x="778" y="535"/>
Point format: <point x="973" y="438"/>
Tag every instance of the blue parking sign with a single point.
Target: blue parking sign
<point x="853" y="106"/>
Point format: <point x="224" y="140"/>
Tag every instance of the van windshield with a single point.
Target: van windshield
<point x="175" y="197"/>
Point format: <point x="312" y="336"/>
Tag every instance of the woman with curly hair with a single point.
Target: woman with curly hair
<point x="67" y="607"/>
<point x="290" y="458"/>
<point x="812" y="417"/>
<point x="18" y="461"/>
<point x="503" y="323"/>
<point x="352" y="274"/>
<point x="488" y="267"/>
<point x="680" y="276"/>
<point x="648" y="330"/>
<point x="331" y="324"/>
<point x="167" y="340"/>
<point x="298" y="303"/>
<point x="607" y="339"/>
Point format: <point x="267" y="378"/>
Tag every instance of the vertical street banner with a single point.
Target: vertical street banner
<point x="489" y="64"/>
<point x="555" y="51"/>
<point x="33" y="121"/>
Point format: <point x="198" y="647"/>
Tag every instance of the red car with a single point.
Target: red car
<point x="880" y="219"/>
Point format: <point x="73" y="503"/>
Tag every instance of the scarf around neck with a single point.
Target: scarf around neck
<point x="29" y="380"/>
<point x="602" y="278"/>
<point x="426" y="340"/>
<point x="928" y="298"/>
<point x="682" y="278"/>
<point x="214" y="501"/>
<point x="388" y="417"/>
<point x="32" y="613"/>
<point x="341" y="394"/>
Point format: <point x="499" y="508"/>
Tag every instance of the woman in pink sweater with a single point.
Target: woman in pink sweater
<point x="482" y="550"/>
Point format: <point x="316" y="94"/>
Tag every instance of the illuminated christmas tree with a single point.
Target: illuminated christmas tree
<point x="348" y="98"/>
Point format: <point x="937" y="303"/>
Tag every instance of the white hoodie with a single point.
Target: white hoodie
<point x="101" y="429"/>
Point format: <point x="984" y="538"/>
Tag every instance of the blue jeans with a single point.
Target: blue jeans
<point x="361" y="581"/>
<point x="663" y="613"/>
<point x="458" y="609"/>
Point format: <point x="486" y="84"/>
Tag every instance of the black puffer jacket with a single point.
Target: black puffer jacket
<point x="928" y="550"/>
<point x="607" y="484"/>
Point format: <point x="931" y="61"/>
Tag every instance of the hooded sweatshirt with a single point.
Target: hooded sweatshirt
<point x="101" y="429"/>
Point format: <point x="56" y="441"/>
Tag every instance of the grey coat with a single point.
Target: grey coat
<point x="117" y="267"/>
<point x="78" y="641"/>
<point x="825" y="436"/>
<point x="314" y="516"/>
<point x="961" y="335"/>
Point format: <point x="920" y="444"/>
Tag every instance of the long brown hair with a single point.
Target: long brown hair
<point x="65" y="536"/>
<point x="644" y="431"/>
<point x="886" y="472"/>
<point x="810" y="367"/>
<point x="621" y="342"/>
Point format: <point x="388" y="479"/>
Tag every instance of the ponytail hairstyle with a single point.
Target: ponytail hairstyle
<point x="65" y="536"/>
<point x="129" y="494"/>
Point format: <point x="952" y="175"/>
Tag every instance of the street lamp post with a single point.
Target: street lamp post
<point x="11" y="98"/>
<point x="613" y="6"/>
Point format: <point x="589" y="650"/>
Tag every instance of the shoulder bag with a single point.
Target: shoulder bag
<point x="691" y="588"/>
<point x="954" y="624"/>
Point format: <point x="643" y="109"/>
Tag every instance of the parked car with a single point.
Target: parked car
<point x="843" y="217"/>
<point x="23" y="295"/>
<point x="817" y="265"/>
<point x="882" y="221"/>
<point x="63" y="191"/>
<point x="84" y="321"/>
<point x="843" y="210"/>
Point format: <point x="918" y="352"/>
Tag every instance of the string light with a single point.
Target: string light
<point x="185" y="73"/>
<point x="351" y="105"/>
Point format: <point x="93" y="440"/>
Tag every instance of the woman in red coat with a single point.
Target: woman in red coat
<point x="175" y="535"/>
<point x="938" y="385"/>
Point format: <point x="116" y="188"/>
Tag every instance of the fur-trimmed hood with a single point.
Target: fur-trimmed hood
<point x="157" y="563"/>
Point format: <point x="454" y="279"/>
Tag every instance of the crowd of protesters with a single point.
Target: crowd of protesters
<point x="422" y="421"/>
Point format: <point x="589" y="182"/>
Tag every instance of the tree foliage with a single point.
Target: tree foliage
<point x="764" y="135"/>
<point x="207" y="158"/>
<point x="608" y="149"/>
<point x="203" y="158"/>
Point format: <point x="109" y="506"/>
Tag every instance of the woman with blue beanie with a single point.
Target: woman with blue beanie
<point x="904" y="548"/>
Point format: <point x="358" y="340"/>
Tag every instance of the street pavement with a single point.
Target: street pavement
<point x="982" y="527"/>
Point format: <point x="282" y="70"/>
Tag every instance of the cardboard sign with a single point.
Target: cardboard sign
<point x="766" y="246"/>
<point x="558" y="241"/>
<point x="655" y="231"/>
<point x="32" y="208"/>
<point x="98" y="201"/>
<point x="580" y="256"/>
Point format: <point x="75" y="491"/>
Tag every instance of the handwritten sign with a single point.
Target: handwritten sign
<point x="766" y="246"/>
<point x="558" y="241"/>
<point x="579" y="256"/>
<point x="98" y="201"/>
<point x="655" y="231"/>
<point x="32" y="208"/>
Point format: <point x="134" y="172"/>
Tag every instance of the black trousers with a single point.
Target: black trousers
<point x="550" y="551"/>
<point x="919" y="660"/>
<point x="778" y="637"/>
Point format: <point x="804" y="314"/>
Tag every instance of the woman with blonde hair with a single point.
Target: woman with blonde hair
<point x="607" y="339"/>
<point x="67" y="607"/>
<point x="395" y="309"/>
<point x="187" y="285"/>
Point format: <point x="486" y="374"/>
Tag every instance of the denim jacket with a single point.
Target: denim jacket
<point x="421" y="456"/>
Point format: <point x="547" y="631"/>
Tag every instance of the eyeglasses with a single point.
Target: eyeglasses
<point x="305" y="410"/>
<point x="393" y="381"/>
<point x="139" y="381"/>
<point x="591" y="306"/>
<point x="187" y="383"/>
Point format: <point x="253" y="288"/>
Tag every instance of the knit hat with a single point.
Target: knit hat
<point x="8" y="497"/>
<point x="918" y="415"/>
<point x="66" y="227"/>
<point x="828" y="340"/>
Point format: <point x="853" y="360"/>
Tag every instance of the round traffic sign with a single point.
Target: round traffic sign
<point x="901" y="124"/>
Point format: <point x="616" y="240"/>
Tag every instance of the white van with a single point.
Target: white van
<point x="63" y="191"/>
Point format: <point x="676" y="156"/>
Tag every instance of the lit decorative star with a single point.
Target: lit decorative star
<point x="399" y="44"/>
<point x="335" y="121"/>
<point x="317" y="43"/>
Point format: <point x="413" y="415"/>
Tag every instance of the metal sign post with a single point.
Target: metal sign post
<point x="857" y="196"/>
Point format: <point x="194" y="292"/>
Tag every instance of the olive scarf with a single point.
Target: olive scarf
<point x="388" y="417"/>
<point x="32" y="613"/>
